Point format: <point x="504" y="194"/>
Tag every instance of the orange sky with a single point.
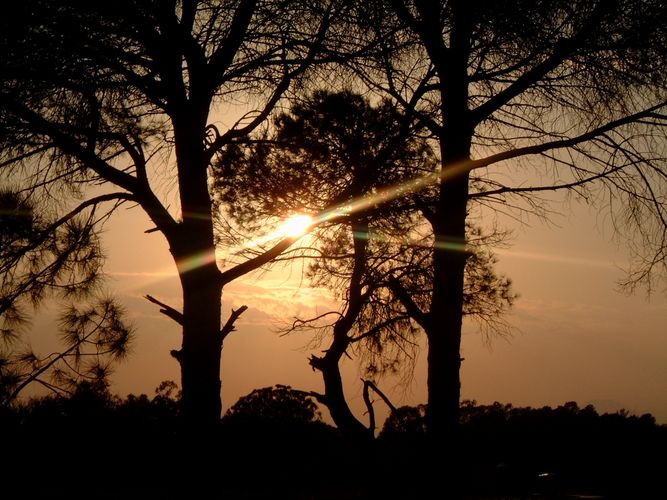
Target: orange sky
<point x="577" y="339"/>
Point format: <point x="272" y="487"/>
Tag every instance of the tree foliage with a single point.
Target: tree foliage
<point x="93" y="338"/>
<point x="277" y="404"/>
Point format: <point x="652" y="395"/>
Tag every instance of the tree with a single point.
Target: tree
<point x="34" y="261"/>
<point x="329" y="150"/>
<point x="279" y="404"/>
<point x="99" y="103"/>
<point x="333" y="151"/>
<point x="94" y="338"/>
<point x="524" y="98"/>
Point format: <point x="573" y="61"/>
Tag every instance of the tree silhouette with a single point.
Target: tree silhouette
<point x="326" y="153"/>
<point x="279" y="404"/>
<point x="94" y="338"/>
<point x="523" y="98"/>
<point x="103" y="105"/>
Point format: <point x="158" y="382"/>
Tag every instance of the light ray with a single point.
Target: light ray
<point x="142" y="274"/>
<point x="381" y="196"/>
<point x="364" y="202"/>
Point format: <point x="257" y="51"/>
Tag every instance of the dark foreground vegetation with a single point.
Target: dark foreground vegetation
<point x="273" y="444"/>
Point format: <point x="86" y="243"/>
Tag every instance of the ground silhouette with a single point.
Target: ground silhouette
<point x="97" y="445"/>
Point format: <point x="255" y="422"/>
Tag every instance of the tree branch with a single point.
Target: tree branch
<point x="256" y="262"/>
<point x="562" y="50"/>
<point x="377" y="390"/>
<point x="229" y="325"/>
<point x="167" y="310"/>
<point x="223" y="57"/>
<point x="554" y="187"/>
<point x="564" y="143"/>
<point x="369" y="406"/>
<point x="70" y="146"/>
<point x="413" y="310"/>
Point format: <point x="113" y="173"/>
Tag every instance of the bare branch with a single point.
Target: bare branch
<point x="369" y="406"/>
<point x="229" y="325"/>
<point x="167" y="310"/>
<point x="377" y="390"/>
<point x="563" y="143"/>
<point x="410" y="305"/>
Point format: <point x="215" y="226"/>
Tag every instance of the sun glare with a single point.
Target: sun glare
<point x="296" y="225"/>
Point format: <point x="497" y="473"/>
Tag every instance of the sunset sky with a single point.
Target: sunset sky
<point x="577" y="338"/>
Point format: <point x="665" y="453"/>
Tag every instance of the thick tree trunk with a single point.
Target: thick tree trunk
<point x="446" y="313"/>
<point x="449" y="225"/>
<point x="445" y="321"/>
<point x="193" y="249"/>
<point x="200" y="354"/>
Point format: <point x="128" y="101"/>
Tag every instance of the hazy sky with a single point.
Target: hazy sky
<point x="576" y="339"/>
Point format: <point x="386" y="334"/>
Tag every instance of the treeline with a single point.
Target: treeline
<point x="93" y="444"/>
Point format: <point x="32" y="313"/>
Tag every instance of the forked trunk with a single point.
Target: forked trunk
<point x="329" y="364"/>
<point x="334" y="399"/>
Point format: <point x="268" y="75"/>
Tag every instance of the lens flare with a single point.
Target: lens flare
<point x="379" y="197"/>
<point x="196" y="261"/>
<point x="298" y="225"/>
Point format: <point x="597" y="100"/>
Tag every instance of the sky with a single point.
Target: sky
<point x="576" y="336"/>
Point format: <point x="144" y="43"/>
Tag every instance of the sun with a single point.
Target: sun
<point x="296" y="225"/>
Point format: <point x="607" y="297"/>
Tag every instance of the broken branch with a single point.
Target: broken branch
<point x="167" y="310"/>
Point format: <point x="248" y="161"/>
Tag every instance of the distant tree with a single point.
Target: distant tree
<point x="109" y="104"/>
<point x="405" y="420"/>
<point x="162" y="407"/>
<point x="277" y="404"/>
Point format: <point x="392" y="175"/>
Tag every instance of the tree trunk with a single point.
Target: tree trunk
<point x="449" y="260"/>
<point x="193" y="248"/>
<point x="334" y="399"/>
<point x="444" y="323"/>
<point x="329" y="364"/>
<point x="200" y="354"/>
<point x="449" y="226"/>
<point x="446" y="311"/>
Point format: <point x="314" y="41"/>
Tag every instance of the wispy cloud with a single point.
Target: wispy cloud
<point x="142" y="274"/>
<point x="556" y="258"/>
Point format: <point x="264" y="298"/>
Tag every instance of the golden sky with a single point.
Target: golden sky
<point x="577" y="338"/>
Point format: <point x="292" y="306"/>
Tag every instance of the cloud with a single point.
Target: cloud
<point x="280" y="299"/>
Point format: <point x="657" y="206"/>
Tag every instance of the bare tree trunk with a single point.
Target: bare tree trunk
<point x="449" y="226"/>
<point x="443" y="331"/>
<point x="449" y="261"/>
<point x="200" y="354"/>
<point x="193" y="249"/>
<point x="446" y="312"/>
<point x="334" y="399"/>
